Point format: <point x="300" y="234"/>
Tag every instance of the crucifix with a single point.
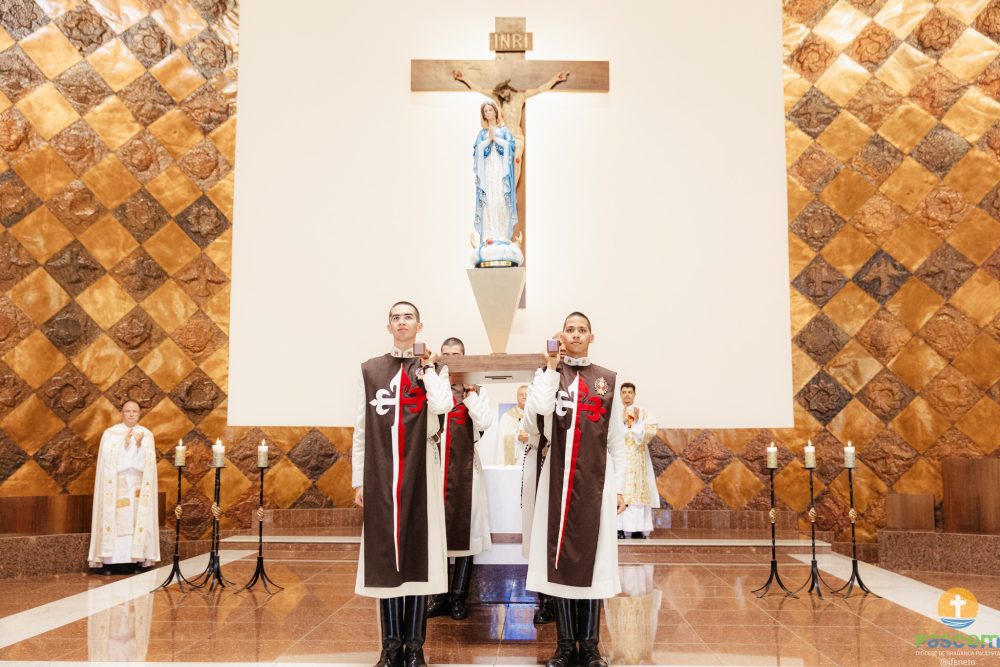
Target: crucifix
<point x="510" y="80"/>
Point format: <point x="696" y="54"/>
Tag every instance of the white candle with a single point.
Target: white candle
<point x="262" y="455"/>
<point x="180" y="452"/>
<point x="810" y="454"/>
<point x="218" y="454"/>
<point x="849" y="461"/>
<point x="772" y="456"/>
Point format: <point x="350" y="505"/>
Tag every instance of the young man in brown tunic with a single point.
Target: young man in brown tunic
<point x="397" y="480"/>
<point x="573" y="407"/>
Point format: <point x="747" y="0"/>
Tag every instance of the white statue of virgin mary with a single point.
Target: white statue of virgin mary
<point x="496" y="199"/>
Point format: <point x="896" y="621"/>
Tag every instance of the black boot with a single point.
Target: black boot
<point x="565" y="655"/>
<point x="391" y="614"/>
<point x="545" y="613"/>
<point x="621" y="534"/>
<point x="638" y="535"/>
<point x="589" y="633"/>
<point x="460" y="587"/>
<point x="439" y="605"/>
<point x="415" y="624"/>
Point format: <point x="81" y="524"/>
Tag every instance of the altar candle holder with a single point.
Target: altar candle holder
<point x="175" y="570"/>
<point x="773" y="577"/>
<point x="855" y="578"/>
<point x="260" y="574"/>
<point x="815" y="581"/>
<point x="213" y="571"/>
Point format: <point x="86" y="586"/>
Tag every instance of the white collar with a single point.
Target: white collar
<point x="576" y="361"/>
<point x="402" y="354"/>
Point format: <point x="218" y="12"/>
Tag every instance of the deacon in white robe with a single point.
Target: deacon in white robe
<point x="641" y="494"/>
<point x="125" y="524"/>
<point x="512" y="436"/>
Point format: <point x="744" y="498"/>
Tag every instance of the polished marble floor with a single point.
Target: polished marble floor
<point x="692" y="608"/>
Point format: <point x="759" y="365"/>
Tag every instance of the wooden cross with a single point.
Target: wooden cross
<point x="525" y="78"/>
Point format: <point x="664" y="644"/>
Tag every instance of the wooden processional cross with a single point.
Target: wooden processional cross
<point x="509" y="80"/>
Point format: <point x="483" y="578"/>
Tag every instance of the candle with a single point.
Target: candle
<point x="179" y="454"/>
<point x="810" y="455"/>
<point x="262" y="455"/>
<point x="772" y="456"/>
<point x="849" y="455"/>
<point x="218" y="454"/>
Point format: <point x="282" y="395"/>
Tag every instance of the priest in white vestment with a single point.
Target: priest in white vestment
<point x="125" y="525"/>
<point x="513" y="438"/>
<point x="641" y="494"/>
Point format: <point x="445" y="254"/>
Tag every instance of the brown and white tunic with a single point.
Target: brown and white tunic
<point x="467" y="519"/>
<point x="395" y="458"/>
<point x="576" y="411"/>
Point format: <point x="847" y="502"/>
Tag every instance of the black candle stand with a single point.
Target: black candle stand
<point x="175" y="571"/>
<point x="773" y="577"/>
<point x="260" y="574"/>
<point x="213" y="571"/>
<point x="815" y="581"/>
<point x="855" y="579"/>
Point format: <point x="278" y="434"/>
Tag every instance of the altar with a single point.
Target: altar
<point x="503" y="491"/>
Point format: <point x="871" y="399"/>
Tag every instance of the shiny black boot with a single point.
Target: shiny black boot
<point x="545" y="613"/>
<point x="439" y="605"/>
<point x="415" y="624"/>
<point x="460" y="587"/>
<point x="589" y="633"/>
<point x="565" y="655"/>
<point x="391" y="615"/>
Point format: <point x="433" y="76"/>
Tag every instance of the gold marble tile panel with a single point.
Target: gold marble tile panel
<point x="904" y="68"/>
<point x="965" y="11"/>
<point x="803" y="368"/>
<point x="120" y="14"/>
<point x="855" y="423"/>
<point x="103" y="362"/>
<point x="179" y="20"/>
<point x="793" y="33"/>
<point x="841" y="24"/>
<point x="41" y="234"/>
<point x="174" y="190"/>
<point x="848" y="250"/>
<point x="868" y="487"/>
<point x="108" y="241"/>
<point x="106" y="301"/>
<point x="922" y="477"/>
<point x="796" y="141"/>
<point x="5" y="103"/>
<point x="6" y="41"/>
<point x="35" y="359"/>
<point x="168" y="422"/>
<point x="39" y="296"/>
<point x="286" y="483"/>
<point x="335" y="483"/>
<point x="970" y="55"/>
<point x="851" y="308"/>
<point x="30" y="480"/>
<point x="56" y="8"/>
<point x="912" y="243"/>
<point x="736" y="485"/>
<point x="798" y="198"/>
<point x="974" y="175"/>
<point x="177" y="75"/>
<point x="914" y="303"/>
<point x="171" y="247"/>
<point x="917" y="363"/>
<point x="31" y="424"/>
<point x="980" y="424"/>
<point x="972" y="114"/>
<point x="234" y="484"/>
<point x="84" y="484"/>
<point x="167" y="364"/>
<point x="907" y="125"/>
<point x="111" y="182"/>
<point x="216" y="366"/>
<point x="170" y="306"/>
<point x="920" y="424"/>
<point x="113" y="122"/>
<point x="853" y="367"/>
<point x="92" y="421"/>
<point x="176" y="132"/>
<point x="879" y="218"/>
<point x="50" y="50"/>
<point x="221" y="194"/>
<point x="980" y="361"/>
<point x="220" y="251"/>
<point x="909" y="184"/>
<point x="845" y="136"/>
<point x="224" y="139"/>
<point x="978" y="297"/>
<point x="45" y="172"/>
<point x="900" y="17"/>
<point x="217" y="308"/>
<point x="792" y="486"/>
<point x="116" y="64"/>
<point x="678" y="484"/>
<point x="847" y="193"/>
<point x="736" y="439"/>
<point x="795" y="88"/>
<point x="802" y="311"/>
<point x="47" y="110"/>
<point x="804" y="427"/>
<point x="976" y="237"/>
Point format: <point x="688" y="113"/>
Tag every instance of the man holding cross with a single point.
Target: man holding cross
<point x="397" y="481"/>
<point x="574" y="408"/>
